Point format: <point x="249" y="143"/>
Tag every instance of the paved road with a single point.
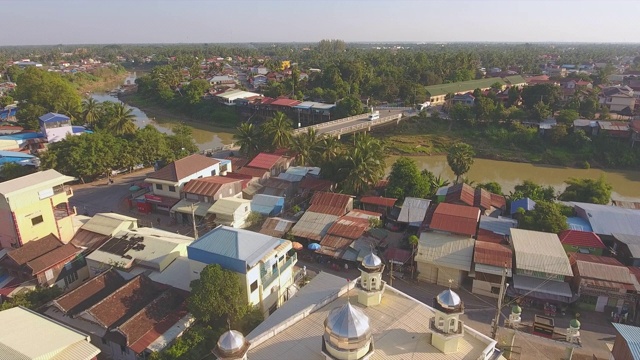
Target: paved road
<point x="359" y="120"/>
<point x="99" y="196"/>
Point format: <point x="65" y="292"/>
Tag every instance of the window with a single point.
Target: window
<point x="37" y="220"/>
<point x="213" y="172"/>
<point x="172" y="188"/>
<point x="158" y="186"/>
<point x="49" y="274"/>
<point x="70" y="278"/>
<point x="254" y="286"/>
<point x="495" y="290"/>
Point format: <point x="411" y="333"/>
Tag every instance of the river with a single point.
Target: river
<point x="205" y="136"/>
<point x="626" y="184"/>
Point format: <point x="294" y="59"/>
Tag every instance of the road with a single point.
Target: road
<point x="359" y="120"/>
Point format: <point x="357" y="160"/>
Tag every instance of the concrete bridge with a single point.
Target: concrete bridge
<point x="356" y="123"/>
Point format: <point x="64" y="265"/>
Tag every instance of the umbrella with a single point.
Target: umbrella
<point x="134" y="188"/>
<point x="314" y="246"/>
<point x="297" y="246"/>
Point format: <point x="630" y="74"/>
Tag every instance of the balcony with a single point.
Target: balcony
<point x="63" y="189"/>
<point x="61" y="211"/>
<point x="268" y="276"/>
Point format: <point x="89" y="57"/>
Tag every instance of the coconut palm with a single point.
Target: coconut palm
<point x="460" y="159"/>
<point x="279" y="130"/>
<point x="248" y="138"/>
<point x="305" y="146"/>
<point x="364" y="165"/>
<point x="328" y="149"/>
<point x="69" y="108"/>
<point x="90" y="111"/>
<point x="121" y="120"/>
<point x="438" y="182"/>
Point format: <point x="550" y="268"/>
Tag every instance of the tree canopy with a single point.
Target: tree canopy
<point x="533" y="191"/>
<point x="547" y="216"/>
<point x="216" y="294"/>
<point x="587" y="190"/>
<point x="405" y="180"/>
<point x="460" y="158"/>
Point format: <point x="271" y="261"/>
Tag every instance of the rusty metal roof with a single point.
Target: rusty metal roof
<point x="264" y="161"/>
<point x="460" y="193"/>
<point x="490" y="253"/>
<point x="458" y="219"/>
<point x="208" y="186"/>
<point x="378" y="200"/>
<point x="333" y="245"/>
<point x="313" y="225"/>
<point x="349" y="227"/>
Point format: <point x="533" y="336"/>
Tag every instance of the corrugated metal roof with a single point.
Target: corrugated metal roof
<point x="578" y="223"/>
<point x="208" y="186"/>
<point x="338" y="201"/>
<point x="349" y="227"/>
<point x="458" y="219"/>
<point x="334" y="245"/>
<point x="462" y="192"/>
<point x="526" y="204"/>
<point x="632" y="242"/>
<point x="499" y="225"/>
<point x="581" y="238"/>
<point x="313" y="225"/>
<point x="264" y="161"/>
<point x="276" y="227"/>
<point x="619" y="274"/>
<point x="239" y="244"/>
<point x="607" y="220"/>
<point x="533" y="285"/>
<point x="489" y="253"/>
<point x="199" y="208"/>
<point x="413" y="211"/>
<point x="228" y="206"/>
<point x="45" y="178"/>
<point x="452" y="251"/>
<point x="378" y="200"/>
<point x="575" y="256"/>
<point x="631" y="335"/>
<point x="540" y="251"/>
<point x="19" y="343"/>
<point x="106" y="223"/>
<point x="290" y="177"/>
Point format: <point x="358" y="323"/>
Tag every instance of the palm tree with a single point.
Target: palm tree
<point x="305" y="146"/>
<point x="121" y="120"/>
<point x="460" y="159"/>
<point x="328" y="149"/>
<point x="248" y="138"/>
<point x="69" y="108"/>
<point x="364" y="165"/>
<point x="438" y="182"/>
<point x="279" y="129"/>
<point x="90" y="111"/>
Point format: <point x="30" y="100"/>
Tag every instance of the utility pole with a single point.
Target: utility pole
<point x="494" y="327"/>
<point x="193" y="220"/>
<point x="391" y="273"/>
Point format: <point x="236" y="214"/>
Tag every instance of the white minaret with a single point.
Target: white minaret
<point x="347" y="334"/>
<point x="573" y="332"/>
<point x="514" y="317"/>
<point x="371" y="285"/>
<point x="446" y="327"/>
<point x="232" y="345"/>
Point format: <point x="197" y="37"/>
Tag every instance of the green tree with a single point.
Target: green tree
<point x="329" y="148"/>
<point x="587" y="190"/>
<point x="151" y="146"/>
<point x="306" y="146"/>
<point x="558" y="133"/>
<point x="491" y="186"/>
<point x="10" y="171"/>
<point x="278" y="130"/>
<point x="364" y="164"/>
<point x="405" y="180"/>
<point x="546" y="217"/>
<point x="195" y="90"/>
<point x="33" y="299"/>
<point x="121" y="120"/>
<point x="90" y="111"/>
<point x="349" y="106"/>
<point x="460" y="113"/>
<point x="589" y="107"/>
<point x="567" y="116"/>
<point x="181" y="143"/>
<point x="549" y="94"/>
<point x="460" y="158"/>
<point x="485" y="107"/>
<point x="533" y="191"/>
<point x="248" y="137"/>
<point x="5" y="100"/>
<point x="216" y="294"/>
<point x="540" y="111"/>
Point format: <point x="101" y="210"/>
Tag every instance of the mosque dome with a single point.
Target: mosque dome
<point x="371" y="261"/>
<point x="347" y="324"/>
<point x="448" y="299"/>
<point x="231" y="341"/>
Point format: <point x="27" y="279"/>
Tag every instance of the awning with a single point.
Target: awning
<point x="161" y="200"/>
<point x="542" y="289"/>
<point x="184" y="206"/>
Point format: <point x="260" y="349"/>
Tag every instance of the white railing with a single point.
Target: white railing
<point x="364" y="125"/>
<point x="329" y="123"/>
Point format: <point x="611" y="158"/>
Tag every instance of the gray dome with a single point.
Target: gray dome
<point x="347" y="322"/>
<point x="371" y="261"/>
<point x="448" y="299"/>
<point x="231" y="341"/>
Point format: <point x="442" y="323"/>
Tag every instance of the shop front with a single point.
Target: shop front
<point x="161" y="204"/>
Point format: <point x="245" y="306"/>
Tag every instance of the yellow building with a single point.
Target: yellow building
<point x="285" y="64"/>
<point x="34" y="206"/>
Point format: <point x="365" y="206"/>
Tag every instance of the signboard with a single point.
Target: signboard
<point x="543" y="326"/>
<point x="154" y="198"/>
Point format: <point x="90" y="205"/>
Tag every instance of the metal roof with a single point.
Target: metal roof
<point x="458" y="219"/>
<point x="276" y="227"/>
<point x="40" y="179"/>
<point x="533" y="285"/>
<point x="607" y="220"/>
<point x="200" y="208"/>
<point x="632" y="242"/>
<point x="489" y="253"/>
<point x="244" y="245"/>
<point x="631" y="335"/>
<point x="452" y="251"/>
<point x="290" y="177"/>
<point x="618" y="274"/>
<point x="313" y="225"/>
<point x="581" y="238"/>
<point x="578" y="223"/>
<point x="540" y="251"/>
<point x="106" y="223"/>
<point x="19" y="343"/>
<point x="264" y="161"/>
<point x="499" y="225"/>
<point x="378" y="200"/>
<point x="413" y="211"/>
<point x="53" y="117"/>
<point x="526" y="204"/>
<point x="228" y="206"/>
<point x="183" y="168"/>
<point x="349" y="227"/>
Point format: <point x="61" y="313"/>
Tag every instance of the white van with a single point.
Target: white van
<point x="375" y="115"/>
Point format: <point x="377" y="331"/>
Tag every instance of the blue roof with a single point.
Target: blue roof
<point x="53" y="117"/>
<point x="80" y="129"/>
<point x="578" y="223"/>
<point x="526" y="203"/>
<point x="14" y="157"/>
<point x="8" y="112"/>
<point x="21" y="136"/>
<point x="631" y="335"/>
<point x="244" y="245"/>
<point x="266" y="204"/>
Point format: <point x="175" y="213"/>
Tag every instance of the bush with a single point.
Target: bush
<point x="585" y="165"/>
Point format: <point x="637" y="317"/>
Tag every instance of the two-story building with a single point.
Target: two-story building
<point x="34" y="206"/>
<point x="200" y="194"/>
<point x="541" y="267"/>
<point x="601" y="284"/>
<point x="617" y="98"/>
<point x="263" y="263"/>
<point x="167" y="183"/>
<point x="274" y="164"/>
<point x="585" y="242"/>
<point x="231" y="211"/>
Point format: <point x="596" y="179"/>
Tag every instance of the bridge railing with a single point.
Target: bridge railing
<point x="356" y="127"/>
<point x="329" y="123"/>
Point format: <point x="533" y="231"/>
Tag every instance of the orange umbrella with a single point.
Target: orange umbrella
<point x="297" y="246"/>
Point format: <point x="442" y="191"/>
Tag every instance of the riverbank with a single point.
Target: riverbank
<point x="102" y="85"/>
<point x="421" y="136"/>
<point x="207" y="114"/>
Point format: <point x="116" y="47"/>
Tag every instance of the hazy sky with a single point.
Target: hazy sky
<point x="34" y="22"/>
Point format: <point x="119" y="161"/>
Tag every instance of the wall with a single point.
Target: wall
<point x="177" y="194"/>
<point x="621" y="350"/>
<point x="8" y="234"/>
<point x="481" y="287"/>
<point x="241" y="214"/>
<point x="59" y="133"/>
<point x="571" y="248"/>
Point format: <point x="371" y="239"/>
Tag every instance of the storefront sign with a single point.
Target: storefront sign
<point x="154" y="198"/>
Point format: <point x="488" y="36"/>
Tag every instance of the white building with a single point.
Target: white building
<point x="263" y="263"/>
<point x="231" y="211"/>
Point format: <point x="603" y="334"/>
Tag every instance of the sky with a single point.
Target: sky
<point x="50" y="22"/>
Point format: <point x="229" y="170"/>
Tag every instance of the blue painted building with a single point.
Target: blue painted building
<point x="17" y="158"/>
<point x="267" y="205"/>
<point x="526" y="204"/>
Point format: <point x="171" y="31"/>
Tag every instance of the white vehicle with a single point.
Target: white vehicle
<point x="374" y="115"/>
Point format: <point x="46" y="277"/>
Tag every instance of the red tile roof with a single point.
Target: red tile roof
<point x="378" y="200"/>
<point x="264" y="161"/>
<point x="184" y="167"/>
<point x="285" y="102"/>
<point x="63" y="254"/>
<point x="490" y="253"/>
<point x="573" y="257"/>
<point x="458" y="219"/>
<point x="460" y="193"/>
<point x="208" y="186"/>
<point x="581" y="238"/>
<point x="349" y="227"/>
<point x="90" y="292"/>
<point x="315" y="184"/>
<point x="34" y="249"/>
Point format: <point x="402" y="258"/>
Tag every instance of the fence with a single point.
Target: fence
<point x="329" y="123"/>
<point x="365" y="125"/>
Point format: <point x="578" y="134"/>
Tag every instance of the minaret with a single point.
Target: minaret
<point x="573" y="332"/>
<point x="371" y="285"/>
<point x="232" y="345"/>
<point x="514" y="317"/>
<point x="347" y="334"/>
<point x="446" y="327"/>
